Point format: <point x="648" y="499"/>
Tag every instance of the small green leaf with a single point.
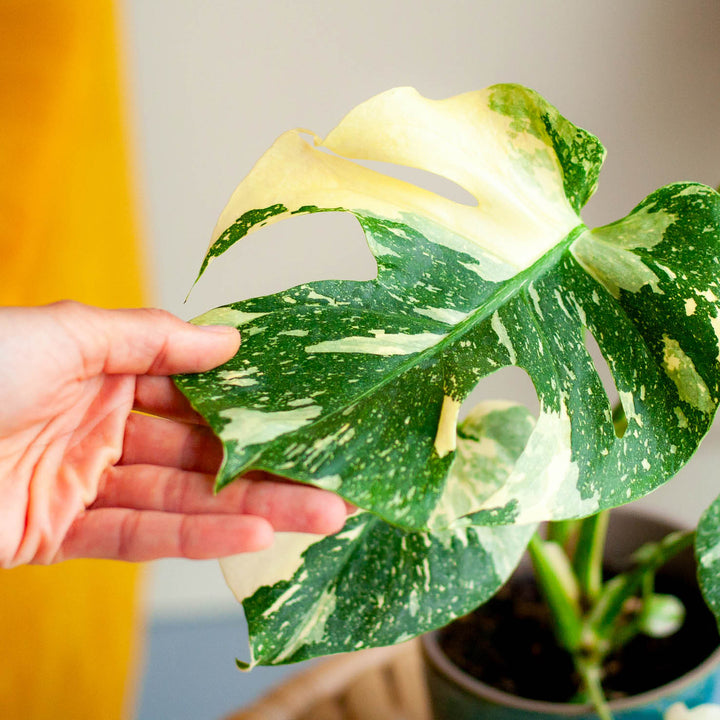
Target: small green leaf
<point x="647" y="559"/>
<point x="661" y="615"/>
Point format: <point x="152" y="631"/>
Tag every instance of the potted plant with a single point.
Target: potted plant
<point x="357" y="387"/>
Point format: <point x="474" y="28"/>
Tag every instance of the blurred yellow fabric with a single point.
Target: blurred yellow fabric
<point x="69" y="633"/>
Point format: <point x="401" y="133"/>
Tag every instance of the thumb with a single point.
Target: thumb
<point x="144" y="341"/>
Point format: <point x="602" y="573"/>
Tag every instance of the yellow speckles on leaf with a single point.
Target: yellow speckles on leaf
<point x="671" y="361"/>
<point x="628" y="405"/>
<point x="446" y="436"/>
<point x="443" y="315"/>
<point x="532" y="291"/>
<point x="690" y="306"/>
<point x="329" y="482"/>
<point x="311" y="628"/>
<point x="681" y="370"/>
<point x="646" y="465"/>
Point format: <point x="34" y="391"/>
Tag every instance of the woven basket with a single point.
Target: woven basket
<point x="378" y="684"/>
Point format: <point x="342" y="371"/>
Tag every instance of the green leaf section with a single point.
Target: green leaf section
<point x="374" y="584"/>
<point x="580" y="170"/>
<point x="707" y="553"/>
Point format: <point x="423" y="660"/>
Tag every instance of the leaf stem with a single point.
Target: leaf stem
<point x="589" y="552"/>
<point x="563" y="532"/>
<point x="555" y="578"/>
<point x="592" y="679"/>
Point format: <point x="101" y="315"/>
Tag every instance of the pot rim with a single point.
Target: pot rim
<point x="440" y="660"/>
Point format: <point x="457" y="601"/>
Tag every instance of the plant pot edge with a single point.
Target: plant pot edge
<point x="433" y="655"/>
<point x="436" y="660"/>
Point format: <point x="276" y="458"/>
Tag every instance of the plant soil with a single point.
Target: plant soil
<point x="508" y="643"/>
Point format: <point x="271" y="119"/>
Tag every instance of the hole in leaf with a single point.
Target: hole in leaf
<point x="608" y="382"/>
<point x="423" y="179"/>
<point x="511" y="384"/>
<point x="294" y="251"/>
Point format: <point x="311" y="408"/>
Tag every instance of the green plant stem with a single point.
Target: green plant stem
<point x="591" y="673"/>
<point x="648" y="559"/>
<point x="554" y="576"/>
<point x="589" y="552"/>
<point x="563" y="532"/>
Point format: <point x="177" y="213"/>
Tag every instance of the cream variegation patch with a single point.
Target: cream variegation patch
<point x="245" y="574"/>
<point x="681" y="370"/>
<point x="521" y="210"/>
<point x="606" y="253"/>
<point x="248" y="427"/>
<point x="226" y="316"/>
<point x="381" y="343"/>
<point x="446" y="435"/>
<point x="544" y="481"/>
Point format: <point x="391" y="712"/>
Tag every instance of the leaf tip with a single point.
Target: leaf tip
<point x="242" y="665"/>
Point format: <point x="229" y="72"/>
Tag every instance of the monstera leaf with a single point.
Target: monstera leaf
<point x="374" y="584"/>
<point x="357" y="386"/>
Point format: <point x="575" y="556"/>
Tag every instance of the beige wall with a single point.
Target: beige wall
<point x="214" y="82"/>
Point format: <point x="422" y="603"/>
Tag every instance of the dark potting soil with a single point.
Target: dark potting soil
<point x="508" y="643"/>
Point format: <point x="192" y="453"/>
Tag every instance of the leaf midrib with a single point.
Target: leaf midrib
<point x="510" y="288"/>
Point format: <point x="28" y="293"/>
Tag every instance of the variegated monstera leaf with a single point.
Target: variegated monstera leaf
<point x="357" y="386"/>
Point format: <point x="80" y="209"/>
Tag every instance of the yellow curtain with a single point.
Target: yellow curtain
<point x="68" y="634"/>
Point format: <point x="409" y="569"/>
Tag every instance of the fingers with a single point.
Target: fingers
<point x="158" y="441"/>
<point x="138" y="536"/>
<point x="143" y="341"/>
<point x="286" y="506"/>
<point x="145" y="513"/>
<point x="158" y="395"/>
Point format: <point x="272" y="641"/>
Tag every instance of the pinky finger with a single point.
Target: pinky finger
<point x="140" y="535"/>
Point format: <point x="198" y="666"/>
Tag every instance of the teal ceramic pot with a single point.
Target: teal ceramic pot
<point x="456" y="695"/>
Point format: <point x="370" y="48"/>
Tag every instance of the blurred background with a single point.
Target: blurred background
<point x="205" y="87"/>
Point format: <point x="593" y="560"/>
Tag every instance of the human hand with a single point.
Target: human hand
<point x="81" y="475"/>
